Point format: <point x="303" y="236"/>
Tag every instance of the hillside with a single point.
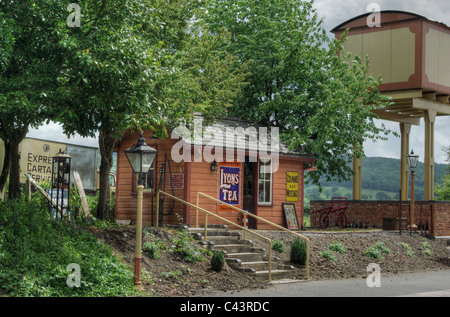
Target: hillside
<point x="380" y="181"/>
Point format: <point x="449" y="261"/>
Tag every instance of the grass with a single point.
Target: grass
<point x="36" y="252"/>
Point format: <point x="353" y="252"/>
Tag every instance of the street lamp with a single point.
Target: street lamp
<point x="412" y="162"/>
<point x="141" y="157"/>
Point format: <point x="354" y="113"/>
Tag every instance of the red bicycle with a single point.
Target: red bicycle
<point x="338" y="205"/>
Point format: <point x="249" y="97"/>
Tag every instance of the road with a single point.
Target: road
<point x="427" y="284"/>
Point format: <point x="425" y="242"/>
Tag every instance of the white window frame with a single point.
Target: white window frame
<point x="264" y="180"/>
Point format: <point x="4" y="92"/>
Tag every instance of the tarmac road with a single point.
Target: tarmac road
<point x="426" y="284"/>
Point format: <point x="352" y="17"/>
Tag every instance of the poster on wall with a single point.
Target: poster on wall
<point x="292" y="186"/>
<point x="291" y="216"/>
<point x="229" y="185"/>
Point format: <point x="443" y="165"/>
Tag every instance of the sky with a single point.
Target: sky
<point x="335" y="12"/>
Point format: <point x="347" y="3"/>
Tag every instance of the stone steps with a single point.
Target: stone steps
<point x="241" y="254"/>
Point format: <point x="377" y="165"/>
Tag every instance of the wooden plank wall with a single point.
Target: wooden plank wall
<point x="126" y="198"/>
<point x="202" y="179"/>
<point x="206" y="181"/>
<point x="274" y="212"/>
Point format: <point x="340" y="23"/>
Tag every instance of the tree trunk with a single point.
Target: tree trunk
<point x="5" y="170"/>
<point x="106" y="144"/>
<point x="14" y="177"/>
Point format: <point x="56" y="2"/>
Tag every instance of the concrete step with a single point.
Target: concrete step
<point x="260" y="265"/>
<point x="241" y="254"/>
<point x="245" y="256"/>
<point x="276" y="274"/>
<point x="234" y="248"/>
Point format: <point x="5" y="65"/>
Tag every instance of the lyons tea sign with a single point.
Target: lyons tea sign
<point x="229" y="185"/>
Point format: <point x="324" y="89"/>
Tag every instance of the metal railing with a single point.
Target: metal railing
<point x="260" y="219"/>
<point x="269" y="242"/>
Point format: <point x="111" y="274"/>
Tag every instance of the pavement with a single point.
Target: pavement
<point x="424" y="284"/>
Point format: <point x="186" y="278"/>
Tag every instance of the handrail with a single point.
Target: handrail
<point x="263" y="220"/>
<point x="217" y="216"/>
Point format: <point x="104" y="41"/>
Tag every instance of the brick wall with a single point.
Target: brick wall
<point x="433" y="215"/>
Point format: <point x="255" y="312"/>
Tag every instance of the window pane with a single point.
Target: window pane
<point x="267" y="188"/>
<point x="149" y="180"/>
<point x="261" y="191"/>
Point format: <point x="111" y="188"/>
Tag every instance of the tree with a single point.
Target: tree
<point x="137" y="64"/>
<point x="443" y="190"/>
<point x="301" y="81"/>
<point x="29" y="63"/>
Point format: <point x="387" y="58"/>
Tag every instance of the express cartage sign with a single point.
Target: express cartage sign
<point x="229" y="185"/>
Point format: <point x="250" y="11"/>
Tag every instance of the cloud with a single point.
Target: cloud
<point x="54" y="132"/>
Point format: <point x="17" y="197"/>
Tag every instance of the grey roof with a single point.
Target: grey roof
<point x="237" y="133"/>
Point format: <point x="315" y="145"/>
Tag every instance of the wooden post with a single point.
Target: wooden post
<point x="138" y="246"/>
<point x="28" y="189"/>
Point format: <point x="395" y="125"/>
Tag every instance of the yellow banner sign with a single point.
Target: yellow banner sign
<point x="292" y="186"/>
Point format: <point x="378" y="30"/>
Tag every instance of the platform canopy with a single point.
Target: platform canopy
<point x="412" y="55"/>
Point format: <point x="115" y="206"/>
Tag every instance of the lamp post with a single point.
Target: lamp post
<point x="140" y="157"/>
<point x="412" y="162"/>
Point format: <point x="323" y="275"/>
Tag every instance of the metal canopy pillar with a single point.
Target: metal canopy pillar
<point x="405" y="130"/>
<point x="430" y="118"/>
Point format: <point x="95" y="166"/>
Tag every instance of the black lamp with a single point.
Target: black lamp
<point x="412" y="161"/>
<point x="214" y="166"/>
<point x="141" y="156"/>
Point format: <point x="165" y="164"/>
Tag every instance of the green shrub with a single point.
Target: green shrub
<point x="409" y="251"/>
<point x="376" y="250"/>
<point x="279" y="246"/>
<point x="426" y="248"/>
<point x="152" y="250"/>
<point x="328" y="254"/>
<point x="185" y="246"/>
<point x="218" y="261"/>
<point x="337" y="247"/>
<point x="298" y="251"/>
<point x="36" y="250"/>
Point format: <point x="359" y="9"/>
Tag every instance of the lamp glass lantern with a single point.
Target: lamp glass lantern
<point x="141" y="156"/>
<point x="412" y="159"/>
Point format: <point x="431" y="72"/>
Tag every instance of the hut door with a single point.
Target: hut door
<point x="249" y="191"/>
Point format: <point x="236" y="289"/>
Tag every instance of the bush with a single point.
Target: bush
<point x="376" y="250"/>
<point x="337" y="247"/>
<point x="279" y="246"/>
<point x="218" y="261"/>
<point x="152" y="250"/>
<point x="328" y="254"/>
<point x="298" y="251"/>
<point x="185" y="246"/>
<point x="36" y="250"/>
<point x="409" y="251"/>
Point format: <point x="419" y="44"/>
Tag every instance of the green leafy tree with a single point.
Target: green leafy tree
<point x="443" y="190"/>
<point x="135" y="64"/>
<point x="301" y="81"/>
<point x="29" y="64"/>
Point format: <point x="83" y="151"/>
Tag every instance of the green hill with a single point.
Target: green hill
<point x="380" y="181"/>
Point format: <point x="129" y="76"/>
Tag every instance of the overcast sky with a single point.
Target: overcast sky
<point x="334" y="12"/>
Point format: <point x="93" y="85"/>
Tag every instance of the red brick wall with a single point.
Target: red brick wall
<point x="434" y="215"/>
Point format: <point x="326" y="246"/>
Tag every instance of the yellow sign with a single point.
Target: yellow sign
<point x="36" y="158"/>
<point x="292" y="186"/>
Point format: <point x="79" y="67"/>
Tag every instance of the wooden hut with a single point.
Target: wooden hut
<point x="230" y="160"/>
